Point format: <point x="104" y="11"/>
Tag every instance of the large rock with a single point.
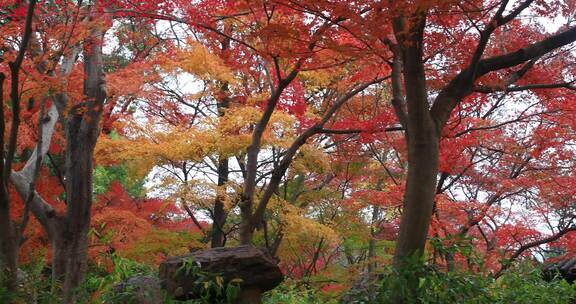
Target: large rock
<point x="363" y="290"/>
<point x="566" y="269"/>
<point x="140" y="289"/>
<point x="257" y="269"/>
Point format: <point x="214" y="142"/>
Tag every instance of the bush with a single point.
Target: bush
<point x="426" y="285"/>
<point x="291" y="293"/>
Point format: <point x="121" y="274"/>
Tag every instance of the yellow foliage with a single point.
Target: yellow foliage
<point x="144" y="151"/>
<point x="311" y="159"/>
<point x="234" y="129"/>
<point x="197" y="60"/>
<point x="159" y="244"/>
<point x="318" y="79"/>
<point x="298" y="229"/>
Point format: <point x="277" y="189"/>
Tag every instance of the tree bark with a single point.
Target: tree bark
<point x="9" y="231"/>
<point x="372" y="242"/>
<point x="419" y="194"/>
<point x="422" y="140"/>
<point x="220" y="215"/>
<point x="73" y="238"/>
<point x="8" y="246"/>
<point x="424" y="122"/>
<point x="82" y="130"/>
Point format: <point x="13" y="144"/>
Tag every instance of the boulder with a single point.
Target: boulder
<point x="256" y="268"/>
<point x="565" y="268"/>
<point x="140" y="289"/>
<point x="363" y="290"/>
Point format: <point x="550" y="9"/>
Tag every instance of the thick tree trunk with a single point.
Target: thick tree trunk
<point x="82" y="129"/>
<point x="419" y="194"/>
<point x="8" y="249"/>
<point x="76" y="265"/>
<point x="422" y="140"/>
<point x="69" y="262"/>
<point x="59" y="257"/>
<point x="246" y="228"/>
<point x="71" y="244"/>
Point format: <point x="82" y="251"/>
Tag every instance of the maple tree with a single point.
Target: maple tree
<point x="347" y="133"/>
<point x="12" y="232"/>
<point x="73" y="96"/>
<point x="356" y="19"/>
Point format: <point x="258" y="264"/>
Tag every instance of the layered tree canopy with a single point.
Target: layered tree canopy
<point x="351" y="139"/>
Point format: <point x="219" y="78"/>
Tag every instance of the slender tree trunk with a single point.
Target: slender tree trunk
<point x="219" y="212"/>
<point x="223" y="171"/>
<point x="9" y="232"/>
<point x="372" y="241"/>
<point x="450" y="266"/>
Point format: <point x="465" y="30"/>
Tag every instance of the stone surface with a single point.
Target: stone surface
<point x="565" y="268"/>
<point x="142" y="289"/>
<point x="364" y="288"/>
<point x="257" y="269"/>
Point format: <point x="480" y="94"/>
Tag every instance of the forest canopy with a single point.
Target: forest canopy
<point x="375" y="151"/>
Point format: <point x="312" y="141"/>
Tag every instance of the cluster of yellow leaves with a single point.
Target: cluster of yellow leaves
<point x="311" y="159"/>
<point x="300" y="230"/>
<point x="234" y="129"/>
<point x="159" y="244"/>
<point x="145" y="151"/>
<point x="317" y="79"/>
<point x="229" y="135"/>
<point x="199" y="193"/>
<point x="197" y="60"/>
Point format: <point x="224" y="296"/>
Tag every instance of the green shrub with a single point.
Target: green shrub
<point x="210" y="286"/>
<point x="292" y="293"/>
<point x="424" y="284"/>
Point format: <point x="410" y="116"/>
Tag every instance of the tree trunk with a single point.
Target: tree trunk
<point x="249" y="296"/>
<point x="82" y="130"/>
<point x="422" y="140"/>
<point x="59" y="257"/>
<point x="372" y="241"/>
<point x="220" y="215"/>
<point x="223" y="171"/>
<point x="8" y="249"/>
<point x="71" y="243"/>
<point x="69" y="263"/>
<point x="419" y="194"/>
<point x="450" y="266"/>
<point x="246" y="227"/>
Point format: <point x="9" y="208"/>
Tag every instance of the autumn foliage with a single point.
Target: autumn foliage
<point x="343" y="136"/>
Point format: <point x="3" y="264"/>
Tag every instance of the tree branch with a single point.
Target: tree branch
<point x="462" y="84"/>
